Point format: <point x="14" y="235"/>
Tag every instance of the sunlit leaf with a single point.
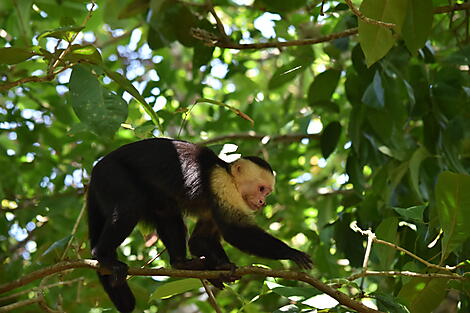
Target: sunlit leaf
<point x="66" y="33"/>
<point x="176" y="287"/>
<point x="453" y="208"/>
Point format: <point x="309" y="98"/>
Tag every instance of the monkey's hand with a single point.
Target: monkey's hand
<point x="302" y="259"/>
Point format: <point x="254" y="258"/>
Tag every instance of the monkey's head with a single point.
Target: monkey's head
<point x="254" y="180"/>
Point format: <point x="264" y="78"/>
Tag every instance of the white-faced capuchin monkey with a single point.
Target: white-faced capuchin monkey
<point x="159" y="180"/>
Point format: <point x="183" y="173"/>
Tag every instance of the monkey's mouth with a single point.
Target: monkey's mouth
<point x="255" y="206"/>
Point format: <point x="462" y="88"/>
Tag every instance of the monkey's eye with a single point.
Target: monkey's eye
<point x="261" y="188"/>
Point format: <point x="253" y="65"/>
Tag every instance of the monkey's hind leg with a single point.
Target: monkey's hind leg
<point x="116" y="229"/>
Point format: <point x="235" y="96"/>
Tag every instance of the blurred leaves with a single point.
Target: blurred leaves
<point x="370" y="129"/>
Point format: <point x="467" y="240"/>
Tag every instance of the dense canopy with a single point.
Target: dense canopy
<point x="362" y="107"/>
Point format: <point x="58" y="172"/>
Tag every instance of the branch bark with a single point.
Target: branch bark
<point x="255" y="136"/>
<point x="250" y="270"/>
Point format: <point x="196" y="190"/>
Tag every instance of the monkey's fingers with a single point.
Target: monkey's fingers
<point x="303" y="260"/>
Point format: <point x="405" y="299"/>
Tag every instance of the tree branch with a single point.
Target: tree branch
<point x="212" y="40"/>
<point x="286" y="274"/>
<point x="371" y="235"/>
<point x="408" y="274"/>
<point x="366" y="19"/>
<point x="254" y="136"/>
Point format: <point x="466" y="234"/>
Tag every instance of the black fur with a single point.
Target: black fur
<point x="157" y="181"/>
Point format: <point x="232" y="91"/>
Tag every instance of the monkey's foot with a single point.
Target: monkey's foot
<point x="225" y="278"/>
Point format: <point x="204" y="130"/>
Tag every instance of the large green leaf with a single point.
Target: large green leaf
<point x="453" y="208"/>
<point x="413" y="214"/>
<point x="329" y="138"/>
<point x="323" y="86"/>
<point x="377" y="40"/>
<point x="374" y="95"/>
<point x="98" y="108"/>
<point x="176" y="287"/>
<point x="14" y="55"/>
<point x="417" y="24"/>
<point x="422" y="295"/>
<point x="387" y="230"/>
<point x="303" y="59"/>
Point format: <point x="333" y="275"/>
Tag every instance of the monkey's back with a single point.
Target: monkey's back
<point x="159" y="168"/>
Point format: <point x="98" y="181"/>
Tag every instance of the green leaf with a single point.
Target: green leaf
<point x="374" y="94"/>
<point x="66" y="33"/>
<point x="323" y="86"/>
<point x="387" y="230"/>
<point x="14" y="55"/>
<point x="377" y="40"/>
<point x="413" y="214"/>
<point x="330" y="138"/>
<point x="303" y="59"/>
<point x="176" y="287"/>
<point x="422" y="295"/>
<point x="418" y="23"/>
<point x="285" y="74"/>
<point x="87" y="53"/>
<point x="101" y="110"/>
<point x="127" y="86"/>
<point x="453" y="208"/>
<point x="57" y="245"/>
<point x="414" y="167"/>
<point x="304" y="292"/>
<point x="390" y="303"/>
<point x="162" y="21"/>
<point x="355" y="173"/>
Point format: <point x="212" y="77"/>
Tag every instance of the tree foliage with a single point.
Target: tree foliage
<point x="362" y="108"/>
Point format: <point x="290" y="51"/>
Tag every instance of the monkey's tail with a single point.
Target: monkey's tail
<point x="121" y="295"/>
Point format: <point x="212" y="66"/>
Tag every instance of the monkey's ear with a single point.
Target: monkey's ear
<point x="237" y="168"/>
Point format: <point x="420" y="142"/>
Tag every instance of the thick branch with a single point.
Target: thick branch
<point x="292" y="275"/>
<point x="210" y="40"/>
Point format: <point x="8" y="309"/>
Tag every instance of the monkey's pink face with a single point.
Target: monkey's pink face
<point x="254" y="184"/>
<point x="255" y="193"/>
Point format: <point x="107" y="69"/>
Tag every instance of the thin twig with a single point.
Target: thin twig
<point x="218" y="21"/>
<point x="74" y="230"/>
<point x="69" y="47"/>
<point x="366" y="19"/>
<point x="212" y="300"/>
<point x="451" y="8"/>
<point x="34" y="79"/>
<point x="365" y="263"/>
<point x="408" y="274"/>
<point x="414" y="256"/>
<point x="35" y="289"/>
<point x="255" y="136"/>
